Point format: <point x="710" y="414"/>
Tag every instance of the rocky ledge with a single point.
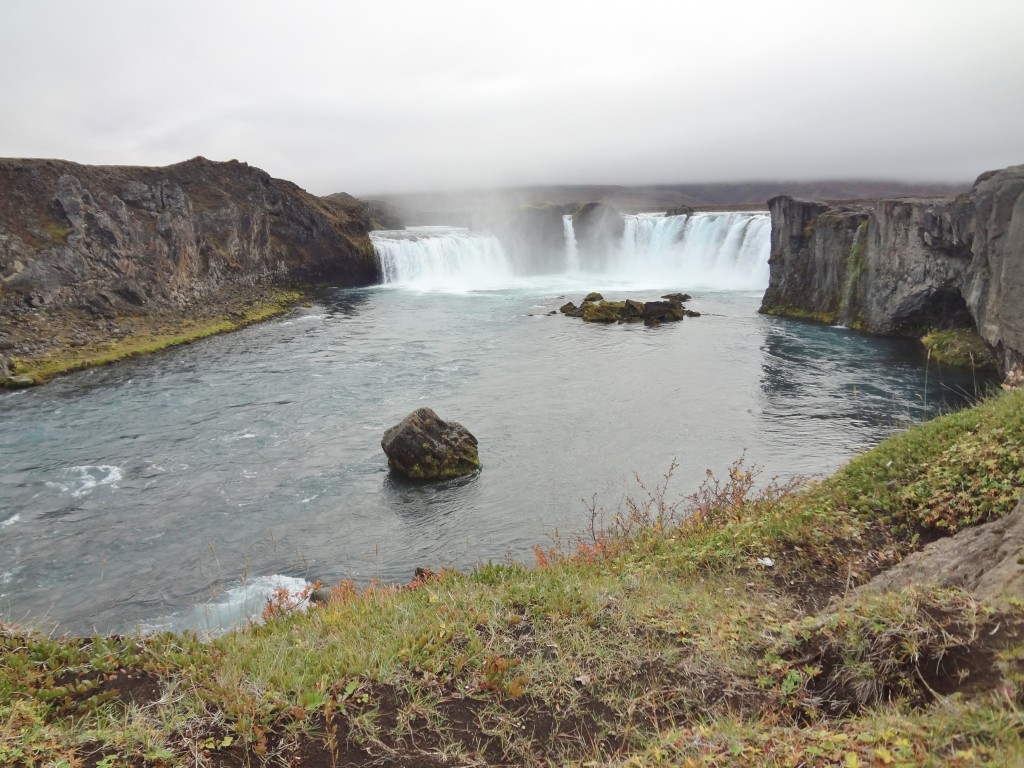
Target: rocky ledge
<point x="594" y="309"/>
<point x="90" y="254"/>
<point x="906" y="266"/>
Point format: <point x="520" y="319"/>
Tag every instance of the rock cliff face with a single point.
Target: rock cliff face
<point x="123" y="239"/>
<point x="599" y="231"/>
<point x="903" y="266"/>
<point x="533" y="236"/>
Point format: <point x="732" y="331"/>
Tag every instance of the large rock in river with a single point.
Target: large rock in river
<point x="424" y="447"/>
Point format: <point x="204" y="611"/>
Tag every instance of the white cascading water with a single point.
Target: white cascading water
<point x="441" y="259"/>
<point x="723" y="251"/>
<point x="710" y="251"/>
<point x="572" y="252"/>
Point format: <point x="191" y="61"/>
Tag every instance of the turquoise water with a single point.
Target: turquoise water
<point x="170" y="491"/>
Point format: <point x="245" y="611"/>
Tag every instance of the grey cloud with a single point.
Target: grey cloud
<point x="395" y="96"/>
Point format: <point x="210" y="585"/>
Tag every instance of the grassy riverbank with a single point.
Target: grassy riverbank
<point x="76" y="342"/>
<point x="721" y="629"/>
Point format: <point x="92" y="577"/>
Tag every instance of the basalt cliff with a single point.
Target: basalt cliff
<point x="904" y="266"/>
<point x="86" y="251"/>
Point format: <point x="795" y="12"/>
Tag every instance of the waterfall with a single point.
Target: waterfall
<point x="699" y="251"/>
<point x="441" y="258"/>
<point x="572" y="253"/>
<point x="724" y="251"/>
<point x="849" y="302"/>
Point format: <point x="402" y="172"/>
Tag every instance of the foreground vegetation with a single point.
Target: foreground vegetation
<point x="724" y="628"/>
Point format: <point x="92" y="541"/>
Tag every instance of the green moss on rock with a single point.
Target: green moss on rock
<point x="797" y="313"/>
<point x="959" y="347"/>
<point x="603" y="312"/>
<point x="424" y="447"/>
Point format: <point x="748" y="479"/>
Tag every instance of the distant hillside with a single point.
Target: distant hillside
<point x="433" y="206"/>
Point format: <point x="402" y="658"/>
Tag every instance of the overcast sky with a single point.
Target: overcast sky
<point x="387" y="96"/>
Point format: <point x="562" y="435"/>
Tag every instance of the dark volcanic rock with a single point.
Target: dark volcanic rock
<point x="994" y="286"/>
<point x="376" y="213"/>
<point x="595" y="309"/>
<point x="680" y="210"/>
<point x="677" y="298"/>
<point x="902" y="266"/>
<point x="662" y="311"/>
<point x="633" y="310"/>
<point x="532" y="236"/>
<point x="868" y="267"/>
<point x="424" y="447"/>
<point x="121" y="240"/>
<point x="983" y="559"/>
<point x="603" y="311"/>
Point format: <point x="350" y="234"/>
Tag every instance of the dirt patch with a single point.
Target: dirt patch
<point x="977" y="670"/>
<point x="814" y="577"/>
<point x="912" y="649"/>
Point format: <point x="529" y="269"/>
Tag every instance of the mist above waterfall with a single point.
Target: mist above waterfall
<point x="710" y="251"/>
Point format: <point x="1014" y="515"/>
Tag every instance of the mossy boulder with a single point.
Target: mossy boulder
<point x="424" y="447"/>
<point x="593" y="296"/>
<point x="662" y="312"/>
<point x="603" y="311"/>
<point x="677" y="298"/>
<point x="632" y="310"/>
<point x="960" y="347"/>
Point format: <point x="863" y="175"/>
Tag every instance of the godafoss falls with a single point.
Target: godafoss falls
<point x="176" y="490"/>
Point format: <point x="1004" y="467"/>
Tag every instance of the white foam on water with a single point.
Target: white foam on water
<point x="10" y="520"/>
<point x="238" y="606"/>
<point x="83" y="480"/>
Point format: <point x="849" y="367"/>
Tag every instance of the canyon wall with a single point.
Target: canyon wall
<point x="109" y="239"/>
<point x="904" y="266"/>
